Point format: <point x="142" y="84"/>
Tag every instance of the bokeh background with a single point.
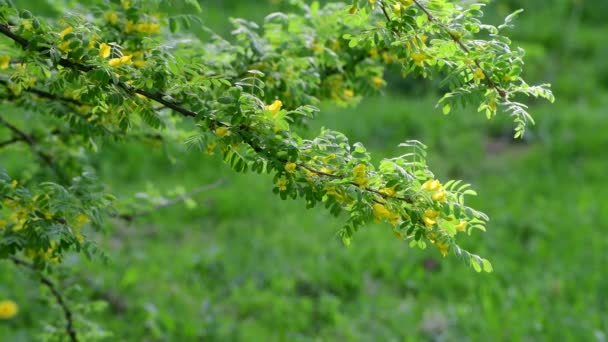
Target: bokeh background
<point x="242" y="265"/>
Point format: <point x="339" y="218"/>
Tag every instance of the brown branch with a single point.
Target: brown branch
<point x="160" y="98"/>
<point x="33" y="145"/>
<point x="69" y="316"/>
<point x="463" y="47"/>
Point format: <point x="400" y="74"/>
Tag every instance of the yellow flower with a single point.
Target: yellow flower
<point x="66" y="31"/>
<point x="65" y="47"/>
<point x="461" y="226"/>
<point x="430" y="217"/>
<point x="419" y="58"/>
<point x="112" y="17"/>
<point x="406" y="3"/>
<point x="479" y="74"/>
<point x="380" y="211"/>
<point x="116" y="62"/>
<point x="377" y="82"/>
<point x="140" y="63"/>
<point x="14" y="183"/>
<point x="431" y="185"/>
<point x="290" y="167"/>
<point x="104" y="50"/>
<point x="282" y="184"/>
<point x="8" y="309"/>
<point x="388" y="58"/>
<point x="317" y="48"/>
<point x="5" y="61"/>
<point x="211" y="148"/>
<point x="222" y="132"/>
<point x="360" y="175"/>
<point x="439" y="196"/>
<point x="28" y="24"/>
<point x="81" y="220"/>
<point x="348" y="93"/>
<point x="388" y="192"/>
<point x="130" y="26"/>
<point x="373" y="53"/>
<point x="443" y="247"/>
<point x="397" y="8"/>
<point x="275" y="107"/>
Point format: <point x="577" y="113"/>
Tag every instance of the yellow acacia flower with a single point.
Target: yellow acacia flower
<point x="222" y="131"/>
<point x="66" y="31"/>
<point x="360" y="175"/>
<point x="8" y="309"/>
<point x="104" y="50"/>
<point x="282" y="184"/>
<point x="275" y="107"/>
<point x="380" y="211"/>
<point x="432" y="185"/>
<point x="388" y="191"/>
<point x="130" y="26"/>
<point x="5" y="61"/>
<point x="348" y="93"/>
<point x="211" y="148"/>
<point x="479" y="74"/>
<point x="443" y="247"/>
<point x="28" y="24"/>
<point x="430" y="217"/>
<point x="419" y="58"/>
<point x="439" y="196"/>
<point x="112" y="17"/>
<point x="290" y="167"/>
<point x="377" y="82"/>
<point x="81" y="220"/>
<point x="64" y="47"/>
<point x="461" y="226"/>
<point x="397" y="8"/>
<point x="116" y="62"/>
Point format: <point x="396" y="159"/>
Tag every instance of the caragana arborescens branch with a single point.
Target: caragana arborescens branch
<point x="105" y="79"/>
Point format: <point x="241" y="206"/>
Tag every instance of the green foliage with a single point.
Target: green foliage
<point x="131" y="73"/>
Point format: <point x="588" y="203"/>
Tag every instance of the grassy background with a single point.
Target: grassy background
<point x="246" y="266"/>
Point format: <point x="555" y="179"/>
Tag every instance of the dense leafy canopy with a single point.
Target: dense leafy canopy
<point x="122" y="71"/>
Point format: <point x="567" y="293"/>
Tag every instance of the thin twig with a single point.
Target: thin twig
<point x="463" y="47"/>
<point x="33" y="145"/>
<point x="67" y="312"/>
<point x="160" y="98"/>
<point x="177" y="200"/>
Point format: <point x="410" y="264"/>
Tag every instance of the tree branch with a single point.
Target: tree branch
<point x="463" y="47"/>
<point x="67" y="312"/>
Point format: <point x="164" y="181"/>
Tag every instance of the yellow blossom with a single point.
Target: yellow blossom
<point x="439" y="196"/>
<point x="443" y="247"/>
<point x="372" y="2"/>
<point x="317" y="48"/>
<point x="380" y="211"/>
<point x="282" y="184"/>
<point x="210" y="148"/>
<point x="430" y="217"/>
<point x="14" y="183"/>
<point x="81" y="220"/>
<point x="130" y="26"/>
<point x="116" y="62"/>
<point x="66" y="31"/>
<point x="406" y="3"/>
<point x="388" y="191"/>
<point x="222" y="131"/>
<point x="397" y="8"/>
<point x="377" y="82"/>
<point x="64" y="47"/>
<point x="360" y="175"/>
<point x="112" y="17"/>
<point x="373" y="53"/>
<point x="275" y="107"/>
<point x="388" y="58"/>
<point x="348" y="93"/>
<point x="461" y="226"/>
<point x="5" y="61"/>
<point x="8" y="309"/>
<point x="104" y="50"/>
<point x="28" y="24"/>
<point x="479" y="74"/>
<point x="431" y="185"/>
<point x="419" y="58"/>
<point x="290" y="167"/>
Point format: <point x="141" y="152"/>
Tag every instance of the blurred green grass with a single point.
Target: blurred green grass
<point x="244" y="265"/>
